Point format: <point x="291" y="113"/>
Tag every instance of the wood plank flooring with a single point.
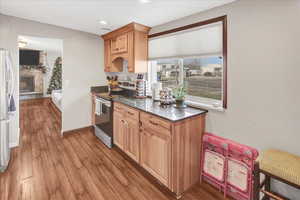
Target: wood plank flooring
<point x="77" y="166"/>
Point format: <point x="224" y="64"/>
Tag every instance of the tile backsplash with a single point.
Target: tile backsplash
<point x="125" y="75"/>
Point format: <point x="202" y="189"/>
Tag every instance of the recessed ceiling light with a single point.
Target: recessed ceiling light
<point x="144" y="1"/>
<point x="103" y="22"/>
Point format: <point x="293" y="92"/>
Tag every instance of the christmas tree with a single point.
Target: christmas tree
<point x="55" y="82"/>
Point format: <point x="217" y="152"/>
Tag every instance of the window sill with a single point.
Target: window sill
<point x="204" y="106"/>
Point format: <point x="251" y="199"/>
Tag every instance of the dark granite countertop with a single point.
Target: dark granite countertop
<point x="147" y="105"/>
<point x="170" y="113"/>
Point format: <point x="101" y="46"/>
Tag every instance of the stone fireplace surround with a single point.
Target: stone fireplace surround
<point x="27" y="84"/>
<point x="27" y="75"/>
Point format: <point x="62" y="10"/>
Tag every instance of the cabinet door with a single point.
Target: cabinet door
<point x="131" y="63"/>
<point x="107" y="56"/>
<point x="119" y="44"/>
<point x="122" y="43"/>
<point x="132" y="147"/>
<point x="156" y="155"/>
<point x="119" y="130"/>
<point x="114" y="45"/>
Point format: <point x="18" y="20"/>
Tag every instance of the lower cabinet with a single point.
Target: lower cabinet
<point x="156" y="155"/>
<point x="126" y="131"/>
<point x="119" y="130"/>
<point x="169" y="151"/>
<point x="132" y="139"/>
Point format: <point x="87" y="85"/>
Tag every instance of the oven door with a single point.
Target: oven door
<point x="103" y="116"/>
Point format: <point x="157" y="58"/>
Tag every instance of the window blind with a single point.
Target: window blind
<point x="207" y="40"/>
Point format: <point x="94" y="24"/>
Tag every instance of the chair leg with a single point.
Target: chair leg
<point x="256" y="183"/>
<point x="267" y="186"/>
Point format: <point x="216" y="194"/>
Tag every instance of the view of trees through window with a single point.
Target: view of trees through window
<point x="201" y="76"/>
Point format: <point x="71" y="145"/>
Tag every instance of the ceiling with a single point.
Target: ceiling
<point x="40" y="43"/>
<point x="85" y="15"/>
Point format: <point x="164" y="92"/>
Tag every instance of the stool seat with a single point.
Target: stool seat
<point x="281" y="164"/>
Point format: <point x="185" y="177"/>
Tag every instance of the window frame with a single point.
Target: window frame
<point x="223" y="20"/>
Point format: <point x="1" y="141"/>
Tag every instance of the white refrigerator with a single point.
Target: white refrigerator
<point x="6" y="91"/>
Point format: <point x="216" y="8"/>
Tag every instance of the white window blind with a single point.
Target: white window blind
<point x="206" y="40"/>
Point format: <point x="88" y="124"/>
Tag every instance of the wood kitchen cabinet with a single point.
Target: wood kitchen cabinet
<point x="107" y="56"/>
<point x="128" y="43"/>
<point x="126" y="130"/>
<point x="119" y="130"/>
<point x="156" y="154"/>
<point x="132" y="138"/>
<point x="169" y="151"/>
<point x="119" y="44"/>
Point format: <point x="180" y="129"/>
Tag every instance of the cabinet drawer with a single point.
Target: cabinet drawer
<point x="126" y="111"/>
<point x="119" y="107"/>
<point x="154" y="122"/>
<point x="131" y="113"/>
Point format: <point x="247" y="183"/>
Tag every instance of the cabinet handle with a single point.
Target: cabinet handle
<point x="130" y="113"/>
<point x="153" y="123"/>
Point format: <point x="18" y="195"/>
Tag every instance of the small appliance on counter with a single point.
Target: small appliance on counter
<point x="166" y="97"/>
<point x="156" y="87"/>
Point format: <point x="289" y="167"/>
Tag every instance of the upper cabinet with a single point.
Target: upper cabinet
<point x="128" y="43"/>
<point x="119" y="44"/>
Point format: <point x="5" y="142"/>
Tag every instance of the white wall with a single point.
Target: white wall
<point x="263" y="73"/>
<point x="82" y="66"/>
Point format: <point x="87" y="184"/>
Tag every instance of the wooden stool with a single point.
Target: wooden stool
<point x="279" y="165"/>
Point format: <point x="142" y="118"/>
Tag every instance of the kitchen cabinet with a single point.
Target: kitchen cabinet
<point x="170" y="151"/>
<point x="132" y="138"/>
<point x="107" y="56"/>
<point x="119" y="130"/>
<point x="128" y="43"/>
<point x="93" y="109"/>
<point x="156" y="154"/>
<point x="119" y="44"/>
<point x="126" y="131"/>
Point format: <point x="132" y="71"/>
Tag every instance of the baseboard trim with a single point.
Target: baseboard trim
<point x="77" y="130"/>
<point x="53" y="107"/>
<point x="16" y="143"/>
<point x="13" y="144"/>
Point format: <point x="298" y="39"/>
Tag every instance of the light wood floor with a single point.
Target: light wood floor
<point x="77" y="166"/>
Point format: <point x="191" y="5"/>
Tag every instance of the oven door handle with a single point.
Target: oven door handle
<point x="98" y="107"/>
<point x="103" y="101"/>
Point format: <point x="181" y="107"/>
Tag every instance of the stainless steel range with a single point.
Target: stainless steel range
<point x="104" y="120"/>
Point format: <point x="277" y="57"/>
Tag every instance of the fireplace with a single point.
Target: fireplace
<point x="27" y="84"/>
<point x="31" y="81"/>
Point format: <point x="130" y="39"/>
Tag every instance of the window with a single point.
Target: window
<point x="168" y="72"/>
<point x="196" y="59"/>
<point x="203" y="77"/>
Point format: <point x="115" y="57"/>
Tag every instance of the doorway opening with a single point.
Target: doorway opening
<point x="40" y="73"/>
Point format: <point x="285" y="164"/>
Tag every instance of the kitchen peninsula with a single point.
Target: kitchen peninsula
<point x="164" y="141"/>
